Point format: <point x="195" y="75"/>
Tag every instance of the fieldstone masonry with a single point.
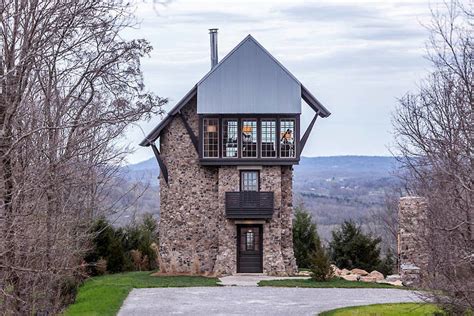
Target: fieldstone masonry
<point x="195" y="236"/>
<point x="412" y="248"/>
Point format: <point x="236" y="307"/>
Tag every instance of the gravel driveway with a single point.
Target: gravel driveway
<point x="253" y="300"/>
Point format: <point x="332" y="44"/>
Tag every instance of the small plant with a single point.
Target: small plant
<point x="320" y="265"/>
<point x="101" y="266"/>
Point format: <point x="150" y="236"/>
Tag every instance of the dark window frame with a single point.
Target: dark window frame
<point x="241" y="184"/>
<point x="275" y="134"/>
<point x="257" y="143"/>
<point x="223" y="148"/>
<point x="295" y="142"/>
<point x="239" y="160"/>
<point x="202" y="147"/>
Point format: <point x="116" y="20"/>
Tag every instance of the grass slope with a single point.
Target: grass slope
<point x="333" y="283"/>
<point x="104" y="295"/>
<point x="406" y="309"/>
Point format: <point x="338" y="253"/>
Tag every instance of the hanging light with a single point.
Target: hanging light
<point x="211" y="128"/>
<point x="247" y="129"/>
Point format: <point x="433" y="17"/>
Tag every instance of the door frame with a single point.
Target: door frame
<point x="260" y="229"/>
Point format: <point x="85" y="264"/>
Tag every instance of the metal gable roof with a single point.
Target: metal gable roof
<point x="304" y="92"/>
<point x="249" y="80"/>
<point x="247" y="38"/>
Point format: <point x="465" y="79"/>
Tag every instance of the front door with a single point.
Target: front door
<point x="249" y="249"/>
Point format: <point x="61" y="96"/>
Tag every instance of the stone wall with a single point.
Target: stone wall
<point x="189" y="209"/>
<point x="195" y="236"/>
<point x="412" y="248"/>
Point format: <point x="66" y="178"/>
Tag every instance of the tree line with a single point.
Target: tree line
<point x="70" y="86"/>
<point x="349" y="248"/>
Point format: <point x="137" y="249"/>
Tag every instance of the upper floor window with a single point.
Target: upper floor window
<point x="249" y="138"/>
<point x="249" y="180"/>
<point x="230" y="132"/>
<point x="268" y="132"/>
<point x="210" y="137"/>
<point x="287" y="138"/>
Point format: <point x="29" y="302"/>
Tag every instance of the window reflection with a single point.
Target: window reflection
<point x="211" y="138"/>
<point x="229" y="138"/>
<point x="249" y="138"/>
<point x="268" y="131"/>
<point x="287" y="138"/>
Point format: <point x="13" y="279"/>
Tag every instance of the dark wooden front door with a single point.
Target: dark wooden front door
<point x="249" y="248"/>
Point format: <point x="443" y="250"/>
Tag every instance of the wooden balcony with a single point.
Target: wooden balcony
<point x="249" y="205"/>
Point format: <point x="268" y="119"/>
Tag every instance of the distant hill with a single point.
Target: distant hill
<point x="332" y="188"/>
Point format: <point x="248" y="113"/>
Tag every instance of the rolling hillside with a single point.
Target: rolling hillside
<point x="331" y="188"/>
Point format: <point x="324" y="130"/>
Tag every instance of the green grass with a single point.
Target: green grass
<point x="333" y="283"/>
<point x="406" y="309"/>
<point x="104" y="295"/>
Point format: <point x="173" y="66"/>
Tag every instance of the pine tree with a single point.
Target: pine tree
<point x="305" y="237"/>
<point x="351" y="248"/>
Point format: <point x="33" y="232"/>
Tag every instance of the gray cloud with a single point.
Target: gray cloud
<point x="210" y="17"/>
<point x="328" y="12"/>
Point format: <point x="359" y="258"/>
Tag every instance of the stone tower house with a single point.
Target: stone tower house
<point x="226" y="154"/>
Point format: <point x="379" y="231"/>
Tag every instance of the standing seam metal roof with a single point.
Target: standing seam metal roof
<point x="309" y="98"/>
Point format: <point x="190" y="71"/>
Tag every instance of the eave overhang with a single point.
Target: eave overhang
<point x="155" y="133"/>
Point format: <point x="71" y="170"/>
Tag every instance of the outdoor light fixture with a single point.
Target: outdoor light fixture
<point x="211" y="128"/>
<point x="247" y="129"/>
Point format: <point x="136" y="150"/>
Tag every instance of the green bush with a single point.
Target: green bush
<point x="115" y="246"/>
<point x="305" y="237"/>
<point x="387" y="264"/>
<point x="350" y="248"/>
<point x="320" y="265"/>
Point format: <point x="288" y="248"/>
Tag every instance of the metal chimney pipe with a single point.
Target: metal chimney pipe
<point x="213" y="37"/>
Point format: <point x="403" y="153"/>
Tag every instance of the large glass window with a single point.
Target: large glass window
<point x="249" y="138"/>
<point x="249" y="180"/>
<point x="210" y="138"/>
<point x="230" y="133"/>
<point x="287" y="138"/>
<point x="268" y="132"/>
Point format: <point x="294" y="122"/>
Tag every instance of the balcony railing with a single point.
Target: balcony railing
<point x="249" y="205"/>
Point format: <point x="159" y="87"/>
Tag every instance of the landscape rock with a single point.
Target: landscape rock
<point x="304" y="273"/>
<point x="393" y="278"/>
<point x="368" y="279"/>
<point x="345" y="272"/>
<point x="359" y="272"/>
<point x="376" y="275"/>
<point x="335" y="270"/>
<point x="351" y="277"/>
<point x="395" y="283"/>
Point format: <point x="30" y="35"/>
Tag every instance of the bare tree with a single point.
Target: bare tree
<point x="70" y="87"/>
<point x="434" y="130"/>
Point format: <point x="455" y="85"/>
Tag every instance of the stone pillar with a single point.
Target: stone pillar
<point x="412" y="246"/>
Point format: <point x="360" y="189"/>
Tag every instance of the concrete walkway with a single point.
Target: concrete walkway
<point x="251" y="279"/>
<point x="235" y="300"/>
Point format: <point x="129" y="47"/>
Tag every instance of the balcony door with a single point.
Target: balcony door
<point x="249" y="249"/>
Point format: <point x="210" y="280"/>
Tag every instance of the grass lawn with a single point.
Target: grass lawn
<point x="406" y="309"/>
<point x="103" y="295"/>
<point x="333" y="283"/>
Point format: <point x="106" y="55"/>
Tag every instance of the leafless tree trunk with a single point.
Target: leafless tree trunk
<point x="70" y="86"/>
<point x="434" y="129"/>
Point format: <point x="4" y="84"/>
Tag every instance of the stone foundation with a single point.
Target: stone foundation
<point x="195" y="236"/>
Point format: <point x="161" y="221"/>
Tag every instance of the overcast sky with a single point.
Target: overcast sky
<point x="356" y="57"/>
